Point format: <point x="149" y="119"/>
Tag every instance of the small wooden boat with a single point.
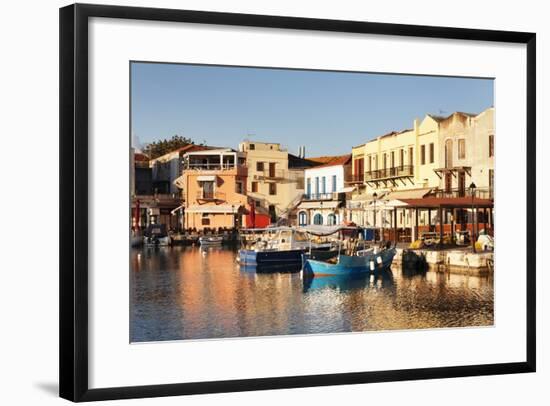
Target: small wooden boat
<point x="210" y="240"/>
<point x="352" y="264"/>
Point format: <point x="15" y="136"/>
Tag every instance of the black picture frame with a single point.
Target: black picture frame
<point x="74" y="201"/>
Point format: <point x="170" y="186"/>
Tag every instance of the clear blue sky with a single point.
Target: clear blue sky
<point x="328" y="112"/>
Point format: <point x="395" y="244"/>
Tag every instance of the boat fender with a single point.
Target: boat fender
<point x="378" y="260"/>
<point x="372" y="265"/>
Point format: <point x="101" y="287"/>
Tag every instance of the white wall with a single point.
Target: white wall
<point x="29" y="296"/>
<point x="328" y="172"/>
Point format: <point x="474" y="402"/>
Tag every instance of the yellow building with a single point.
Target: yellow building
<point x="438" y="157"/>
<point x="275" y="177"/>
<point x="396" y="165"/>
<point x="213" y="184"/>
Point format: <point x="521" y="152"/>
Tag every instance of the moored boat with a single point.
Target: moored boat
<point x="352" y="264"/>
<point x="156" y="235"/>
<point x="210" y="240"/>
<point x="276" y="248"/>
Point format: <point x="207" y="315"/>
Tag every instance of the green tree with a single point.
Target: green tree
<point x="161" y="147"/>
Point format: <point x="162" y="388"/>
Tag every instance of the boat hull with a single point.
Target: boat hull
<point x="271" y="260"/>
<point x="352" y="265"/>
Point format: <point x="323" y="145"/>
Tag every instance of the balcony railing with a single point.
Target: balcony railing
<point x="272" y="174"/>
<point x="388" y="173"/>
<point x="321" y="196"/>
<point x="211" y="166"/>
<point x="210" y="196"/>
<point x="481" y="193"/>
<point x="357" y="178"/>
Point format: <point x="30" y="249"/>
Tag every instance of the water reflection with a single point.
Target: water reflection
<point x="190" y="293"/>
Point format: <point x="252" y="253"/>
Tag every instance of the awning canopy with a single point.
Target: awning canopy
<point x="220" y="208"/>
<point x="319" y="205"/>
<point x="348" y="189"/>
<point x="408" y="194"/>
<point x="206" y="178"/>
<point x="325" y="230"/>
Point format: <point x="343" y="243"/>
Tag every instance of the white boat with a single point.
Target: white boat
<point x="210" y="240"/>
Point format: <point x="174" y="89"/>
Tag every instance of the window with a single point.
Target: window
<point x="317" y="185"/>
<point x="324" y="185"/>
<point x="318" y="219"/>
<point x="491" y="182"/>
<point x="208" y="190"/>
<point x="411" y="160"/>
<point x="239" y="188"/>
<point x="385" y="161"/>
<point x="331" y="219"/>
<point x="205" y="220"/>
<point x="370" y="163"/>
<point x="272" y="188"/>
<point x="259" y="166"/>
<point x="491" y="145"/>
<point x="302" y="218"/>
<point x="376" y="162"/>
<point x="422" y="155"/>
<point x="252" y="147"/>
<point x="272" y="169"/>
<point x="333" y="183"/>
<point x="308" y="187"/>
<point x="461" y="148"/>
<point x="401" y="158"/>
<point x="254" y="187"/>
<point x="392" y="159"/>
<point x="432" y="153"/>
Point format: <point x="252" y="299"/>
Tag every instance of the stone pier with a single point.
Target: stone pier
<point x="454" y="260"/>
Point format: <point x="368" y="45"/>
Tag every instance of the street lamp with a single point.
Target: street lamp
<point x="374" y="196"/>
<point x="472" y="188"/>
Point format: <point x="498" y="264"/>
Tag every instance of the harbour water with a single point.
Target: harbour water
<point x="192" y="293"/>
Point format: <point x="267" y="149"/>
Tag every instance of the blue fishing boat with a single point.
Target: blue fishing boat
<point x="370" y="261"/>
<point x="273" y="249"/>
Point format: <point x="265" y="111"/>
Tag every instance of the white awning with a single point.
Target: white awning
<point x="177" y="208"/>
<point x="319" y="205"/>
<point x="348" y="189"/>
<point x="206" y="178"/>
<point x="220" y="208"/>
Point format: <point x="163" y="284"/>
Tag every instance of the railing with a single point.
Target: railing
<point x="321" y="196"/>
<point x="208" y="195"/>
<point x="388" y="173"/>
<point x="272" y="174"/>
<point x="358" y="178"/>
<point x="211" y="166"/>
<point x="481" y="193"/>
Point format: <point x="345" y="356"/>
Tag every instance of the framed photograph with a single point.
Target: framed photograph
<point x="257" y="202"/>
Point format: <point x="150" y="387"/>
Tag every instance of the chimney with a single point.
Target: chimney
<point x="303" y="151"/>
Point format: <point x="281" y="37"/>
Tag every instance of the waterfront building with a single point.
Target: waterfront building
<point x="467" y="154"/>
<point x="213" y="184"/>
<point x="154" y="207"/>
<point x="275" y="180"/>
<point x="439" y="158"/>
<point x="167" y="168"/>
<point x="324" y="200"/>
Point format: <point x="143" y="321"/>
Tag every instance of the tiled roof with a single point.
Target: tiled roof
<point x="331" y="160"/>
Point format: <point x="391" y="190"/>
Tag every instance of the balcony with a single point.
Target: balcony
<point x="480" y="193"/>
<point x="271" y="174"/>
<point x="322" y="196"/>
<point x="209" y="196"/>
<point x="357" y="178"/>
<point x="216" y="168"/>
<point x="390" y="173"/>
